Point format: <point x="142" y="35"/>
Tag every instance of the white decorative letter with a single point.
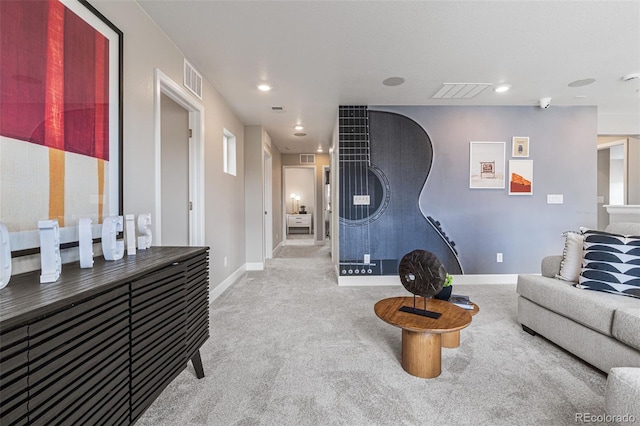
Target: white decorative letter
<point x="144" y="229"/>
<point x="86" y="242"/>
<point x="130" y="235"/>
<point x="111" y="248"/>
<point x="51" y="262"/>
<point x="5" y="256"/>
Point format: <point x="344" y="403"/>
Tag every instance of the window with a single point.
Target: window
<point x="229" y="152"/>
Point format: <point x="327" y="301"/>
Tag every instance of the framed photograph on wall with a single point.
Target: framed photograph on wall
<point x="60" y="121"/>
<point x="486" y="165"/>
<point x="520" y="177"/>
<point x="520" y="146"/>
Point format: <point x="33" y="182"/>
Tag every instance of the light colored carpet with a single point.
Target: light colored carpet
<point x="290" y="347"/>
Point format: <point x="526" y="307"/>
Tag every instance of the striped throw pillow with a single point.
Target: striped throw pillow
<point x="611" y="263"/>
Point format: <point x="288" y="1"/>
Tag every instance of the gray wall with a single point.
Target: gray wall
<point x="256" y="142"/>
<point x="253" y="192"/>
<point x="633" y="171"/>
<point x="146" y="47"/>
<point x="483" y="222"/>
<point x="603" y="187"/>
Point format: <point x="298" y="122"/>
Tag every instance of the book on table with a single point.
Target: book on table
<point x="461" y="301"/>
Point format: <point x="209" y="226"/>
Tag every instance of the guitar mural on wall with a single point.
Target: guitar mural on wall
<point x="385" y="160"/>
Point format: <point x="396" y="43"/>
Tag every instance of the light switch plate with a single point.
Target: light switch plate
<point x="361" y="200"/>
<point x="555" y="199"/>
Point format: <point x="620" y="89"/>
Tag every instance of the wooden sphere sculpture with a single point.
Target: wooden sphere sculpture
<point x="422" y="273"/>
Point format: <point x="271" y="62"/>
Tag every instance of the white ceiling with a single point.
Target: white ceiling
<point x="321" y="54"/>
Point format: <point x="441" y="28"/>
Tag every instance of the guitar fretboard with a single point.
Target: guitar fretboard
<point x="353" y="133"/>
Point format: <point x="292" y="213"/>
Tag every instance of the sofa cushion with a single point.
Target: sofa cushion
<point x="626" y="326"/>
<point x="550" y="266"/>
<point x="611" y="263"/>
<point x="589" y="308"/>
<point x="623" y="228"/>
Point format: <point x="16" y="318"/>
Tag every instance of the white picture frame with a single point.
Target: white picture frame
<point x="486" y="165"/>
<point x="520" y="147"/>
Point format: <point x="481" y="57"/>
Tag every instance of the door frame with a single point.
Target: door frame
<point x="163" y="85"/>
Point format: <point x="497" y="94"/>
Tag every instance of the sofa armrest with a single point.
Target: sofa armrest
<point x="551" y="266"/>
<point x="622" y="393"/>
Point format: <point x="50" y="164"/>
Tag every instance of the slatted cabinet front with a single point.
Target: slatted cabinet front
<point x="79" y="361"/>
<point x="14" y="376"/>
<point x="104" y="357"/>
<point x="158" y="334"/>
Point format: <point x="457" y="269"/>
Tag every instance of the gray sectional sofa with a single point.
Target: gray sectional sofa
<point x="603" y="329"/>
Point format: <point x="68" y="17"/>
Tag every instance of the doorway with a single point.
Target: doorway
<point x="268" y="205"/>
<point x="299" y="205"/>
<point x="193" y="167"/>
<point x="174" y="154"/>
<point x="326" y="199"/>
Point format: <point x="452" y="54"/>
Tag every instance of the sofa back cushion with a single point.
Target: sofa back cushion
<point x="611" y="263"/>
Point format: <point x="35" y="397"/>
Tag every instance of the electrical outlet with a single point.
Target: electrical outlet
<point x="499" y="257"/>
<point x="367" y="259"/>
<point x="225" y="261"/>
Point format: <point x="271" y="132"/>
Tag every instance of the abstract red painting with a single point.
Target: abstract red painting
<point x="60" y="117"/>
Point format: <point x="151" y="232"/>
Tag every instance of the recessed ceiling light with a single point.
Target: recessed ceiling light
<point x="263" y="87"/>
<point x="299" y="134"/>
<point x="632" y="76"/>
<point x="299" y="127"/>
<point x="393" y="81"/>
<point x="582" y="82"/>
<point x="502" y="88"/>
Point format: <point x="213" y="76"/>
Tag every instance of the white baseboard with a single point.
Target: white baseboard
<point x="386" y="280"/>
<point x="215" y="292"/>
<point x="277" y="248"/>
<point x="254" y="266"/>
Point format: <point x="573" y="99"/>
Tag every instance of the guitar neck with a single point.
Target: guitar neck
<point x="353" y="134"/>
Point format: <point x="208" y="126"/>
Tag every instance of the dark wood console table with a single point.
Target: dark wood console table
<point x="100" y="344"/>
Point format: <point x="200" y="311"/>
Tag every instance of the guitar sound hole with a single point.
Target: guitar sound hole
<point x="358" y="180"/>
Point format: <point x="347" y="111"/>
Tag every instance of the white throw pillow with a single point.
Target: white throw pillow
<point x="571" y="264"/>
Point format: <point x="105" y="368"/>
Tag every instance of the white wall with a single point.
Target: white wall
<point x="147" y="48"/>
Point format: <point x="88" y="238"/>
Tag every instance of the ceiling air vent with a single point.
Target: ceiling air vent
<point x="307" y="159"/>
<point x="460" y="90"/>
<point x="277" y="108"/>
<point x="192" y="79"/>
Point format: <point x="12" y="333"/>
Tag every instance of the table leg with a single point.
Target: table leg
<point x="451" y="340"/>
<point x="421" y="354"/>
<point x="197" y="364"/>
